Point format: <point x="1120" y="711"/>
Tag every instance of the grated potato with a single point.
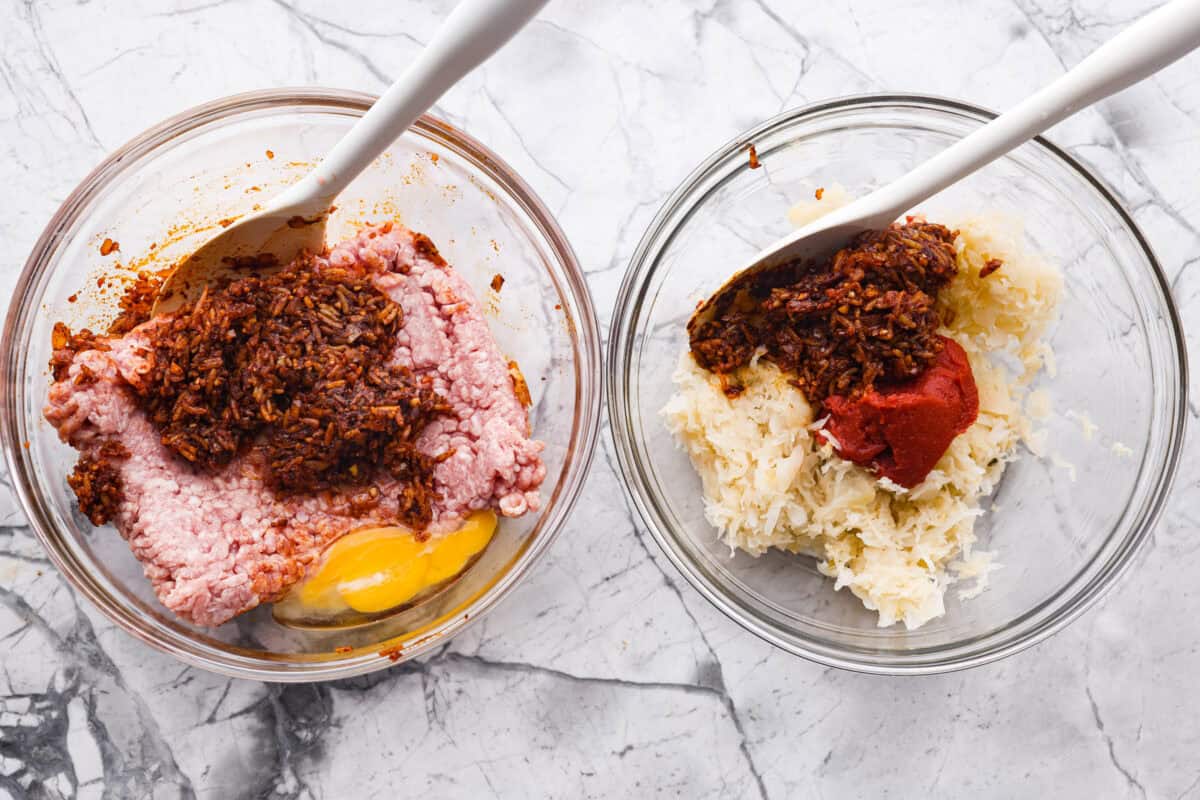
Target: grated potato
<point x="769" y="482"/>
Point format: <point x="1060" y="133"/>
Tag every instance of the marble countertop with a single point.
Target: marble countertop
<point x="629" y="684"/>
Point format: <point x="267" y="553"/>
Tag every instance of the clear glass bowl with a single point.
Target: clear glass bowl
<point x="163" y="193"/>
<point x="1120" y="357"/>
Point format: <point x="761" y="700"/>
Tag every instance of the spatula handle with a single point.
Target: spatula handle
<point x="473" y="31"/>
<point x="1157" y="39"/>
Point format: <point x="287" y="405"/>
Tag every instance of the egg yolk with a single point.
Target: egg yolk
<point x="372" y="570"/>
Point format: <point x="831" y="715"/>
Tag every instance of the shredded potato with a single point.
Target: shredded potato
<point x="769" y="482"/>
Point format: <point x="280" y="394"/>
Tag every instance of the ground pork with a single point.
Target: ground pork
<point x="216" y="545"/>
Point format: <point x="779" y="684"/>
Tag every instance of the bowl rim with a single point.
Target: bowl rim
<point x="621" y="342"/>
<point x="586" y="343"/>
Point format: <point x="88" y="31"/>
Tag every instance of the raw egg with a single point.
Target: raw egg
<point x="374" y="571"/>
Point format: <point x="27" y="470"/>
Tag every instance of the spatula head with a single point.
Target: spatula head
<point x="779" y="265"/>
<point x="252" y="245"/>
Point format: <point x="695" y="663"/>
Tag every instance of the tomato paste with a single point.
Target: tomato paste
<point x="902" y="430"/>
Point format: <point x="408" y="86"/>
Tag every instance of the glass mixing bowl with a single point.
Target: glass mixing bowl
<point x="161" y="195"/>
<point x="1120" y="356"/>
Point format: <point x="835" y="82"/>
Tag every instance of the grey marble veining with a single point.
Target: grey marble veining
<point x="604" y="674"/>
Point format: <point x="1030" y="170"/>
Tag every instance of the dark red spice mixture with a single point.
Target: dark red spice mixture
<point x="136" y="304"/>
<point x="66" y="344"/>
<point x="295" y="365"/>
<point x="754" y="162"/>
<point x="291" y="368"/>
<point x="991" y="266"/>
<point x="135" y="307"/>
<point x="867" y="315"/>
<point x="96" y="482"/>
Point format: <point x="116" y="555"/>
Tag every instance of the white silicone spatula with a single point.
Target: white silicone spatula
<point x="1151" y="43"/>
<point x="295" y="220"/>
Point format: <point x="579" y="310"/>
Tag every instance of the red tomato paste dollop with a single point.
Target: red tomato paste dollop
<point x="901" y="431"/>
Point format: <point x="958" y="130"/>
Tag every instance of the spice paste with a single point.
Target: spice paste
<point x="902" y="430"/>
<point x="857" y="333"/>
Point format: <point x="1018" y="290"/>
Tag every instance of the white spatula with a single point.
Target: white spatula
<point x="1151" y="43"/>
<point x="295" y="220"/>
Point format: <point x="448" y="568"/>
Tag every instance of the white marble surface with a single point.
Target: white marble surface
<point x="628" y="684"/>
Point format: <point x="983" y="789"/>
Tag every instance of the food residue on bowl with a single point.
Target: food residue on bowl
<point x="859" y="410"/>
<point x="234" y="442"/>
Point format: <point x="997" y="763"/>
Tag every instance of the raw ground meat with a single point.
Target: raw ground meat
<point x="214" y="546"/>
